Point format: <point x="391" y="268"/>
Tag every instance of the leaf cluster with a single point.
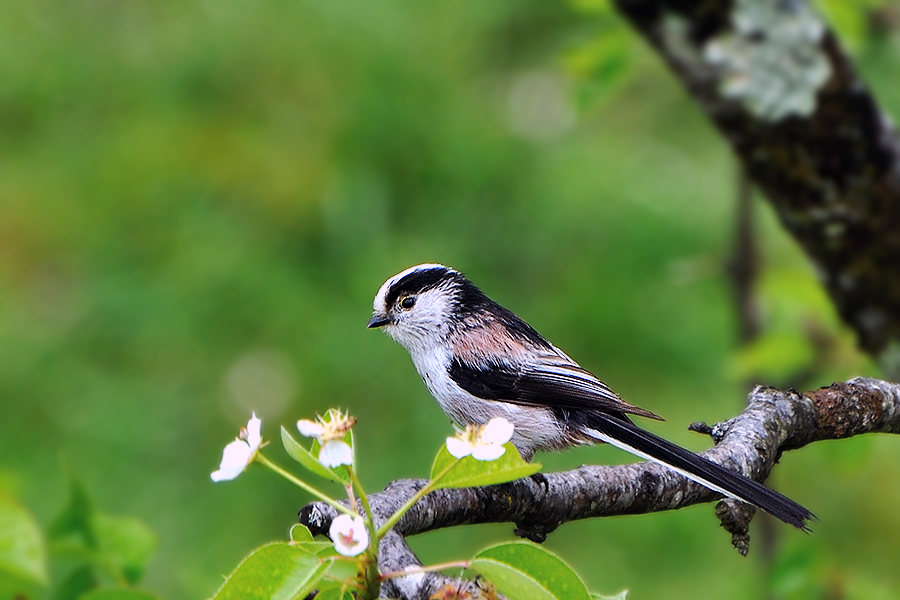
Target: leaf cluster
<point x="84" y="554"/>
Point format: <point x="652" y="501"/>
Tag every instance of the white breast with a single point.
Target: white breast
<point x="535" y="428"/>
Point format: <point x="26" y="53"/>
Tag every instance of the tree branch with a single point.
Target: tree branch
<point x="773" y="78"/>
<point x="751" y="443"/>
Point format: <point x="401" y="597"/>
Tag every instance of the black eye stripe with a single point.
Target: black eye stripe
<point x="417" y="282"/>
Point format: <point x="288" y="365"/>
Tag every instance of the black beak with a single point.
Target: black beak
<point x="377" y="321"/>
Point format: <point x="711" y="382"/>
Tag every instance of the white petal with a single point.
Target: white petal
<point x="235" y="459"/>
<point x="310" y="428"/>
<point x="458" y="448"/>
<point x="335" y="453"/>
<point x="236" y="455"/>
<point x="254" y="439"/>
<point x="349" y="535"/>
<point x="497" y="431"/>
<point x="223" y="475"/>
<point x="488" y="451"/>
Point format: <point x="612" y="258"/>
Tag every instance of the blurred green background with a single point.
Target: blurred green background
<point x="199" y="199"/>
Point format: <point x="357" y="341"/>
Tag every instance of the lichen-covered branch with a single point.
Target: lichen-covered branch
<point x="751" y="443"/>
<point x="773" y="78"/>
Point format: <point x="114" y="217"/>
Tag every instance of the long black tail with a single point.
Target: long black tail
<point x="631" y="438"/>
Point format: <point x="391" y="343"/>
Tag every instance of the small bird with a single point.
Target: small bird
<point x="480" y="361"/>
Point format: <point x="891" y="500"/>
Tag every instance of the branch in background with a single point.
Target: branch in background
<point x="773" y="78"/>
<point x="743" y="265"/>
<point x="751" y="443"/>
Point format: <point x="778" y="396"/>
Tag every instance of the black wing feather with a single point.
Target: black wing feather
<point x="554" y="384"/>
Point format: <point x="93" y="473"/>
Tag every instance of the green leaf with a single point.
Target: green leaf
<point x="300" y="533"/>
<point x="340" y="570"/>
<point x="277" y="571"/>
<point x="525" y="571"/>
<point x="334" y="592"/>
<point x="319" y="549"/>
<point x="351" y="439"/>
<point x="125" y="543"/>
<point x="119" y="593"/>
<point x="469" y="472"/>
<point x="623" y="595"/>
<point x="22" y="551"/>
<point x="75" y="519"/>
<point x="121" y="547"/>
<point x="307" y="459"/>
<point x="79" y="582"/>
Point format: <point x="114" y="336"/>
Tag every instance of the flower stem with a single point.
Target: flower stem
<point x="363" y="499"/>
<point x="302" y="484"/>
<point x="373" y="580"/>
<point x="351" y="498"/>
<point x="459" y="564"/>
<point x="430" y="487"/>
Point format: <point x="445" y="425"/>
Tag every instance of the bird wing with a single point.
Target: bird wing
<point x="554" y="381"/>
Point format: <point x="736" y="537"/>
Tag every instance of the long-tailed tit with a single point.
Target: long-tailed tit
<point x="479" y="361"/>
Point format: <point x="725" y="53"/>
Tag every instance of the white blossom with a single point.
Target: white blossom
<point x="239" y="453"/>
<point x="330" y="432"/>
<point x="483" y="442"/>
<point x="349" y="535"/>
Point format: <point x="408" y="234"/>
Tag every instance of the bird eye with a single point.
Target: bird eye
<point x="407" y="302"/>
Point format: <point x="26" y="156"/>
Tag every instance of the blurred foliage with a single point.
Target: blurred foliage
<point x="198" y="200"/>
<point x="91" y="554"/>
<point x="22" y="548"/>
<point x="853" y="21"/>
